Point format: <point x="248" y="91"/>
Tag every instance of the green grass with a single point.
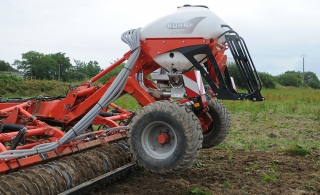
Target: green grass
<point x="128" y="102"/>
<point x="288" y="116"/>
<point x="297" y="149"/>
<point x="197" y="191"/>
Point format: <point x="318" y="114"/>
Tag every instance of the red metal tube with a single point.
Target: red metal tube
<point x="84" y="92"/>
<point x="111" y="67"/>
<point x="118" y="117"/>
<point x="25" y="113"/>
<point x="2" y="148"/>
<point x="10" y="109"/>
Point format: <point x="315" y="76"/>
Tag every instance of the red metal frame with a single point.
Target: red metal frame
<point x="78" y="102"/>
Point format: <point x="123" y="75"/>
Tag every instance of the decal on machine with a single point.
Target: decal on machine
<point x="184" y="27"/>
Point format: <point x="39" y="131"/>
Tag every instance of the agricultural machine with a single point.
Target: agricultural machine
<point x="66" y="145"/>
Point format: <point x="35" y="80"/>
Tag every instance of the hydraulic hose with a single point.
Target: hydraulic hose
<point x="130" y="37"/>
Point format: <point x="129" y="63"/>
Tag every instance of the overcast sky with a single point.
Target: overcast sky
<point x="277" y="32"/>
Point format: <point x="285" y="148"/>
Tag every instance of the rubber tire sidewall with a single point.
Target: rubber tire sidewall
<point x="180" y="139"/>
<point x="221" y="124"/>
<point x="188" y="137"/>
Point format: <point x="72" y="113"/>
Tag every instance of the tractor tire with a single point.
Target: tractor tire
<point x="172" y="118"/>
<point x="220" y="125"/>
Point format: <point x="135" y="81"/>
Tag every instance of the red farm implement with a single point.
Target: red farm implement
<point x="48" y="145"/>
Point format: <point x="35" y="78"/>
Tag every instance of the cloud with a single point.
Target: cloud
<point x="276" y="32"/>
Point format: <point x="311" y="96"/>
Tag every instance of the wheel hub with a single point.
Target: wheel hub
<point x="159" y="140"/>
<point x="164" y="138"/>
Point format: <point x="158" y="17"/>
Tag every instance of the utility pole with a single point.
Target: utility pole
<point x="303" y="56"/>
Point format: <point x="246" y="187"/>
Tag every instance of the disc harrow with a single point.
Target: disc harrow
<point x="66" y="173"/>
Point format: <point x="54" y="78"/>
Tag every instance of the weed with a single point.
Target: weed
<point x="197" y="191"/>
<point x="226" y="185"/>
<point x="243" y="192"/>
<point x="246" y="168"/>
<point x="255" y="165"/>
<point x="252" y="167"/>
<point x="230" y="154"/>
<point x="310" y="186"/>
<point x="272" y="176"/>
<point x="245" y="146"/>
<point x="198" y="165"/>
<point x="269" y="177"/>
<point x="297" y="149"/>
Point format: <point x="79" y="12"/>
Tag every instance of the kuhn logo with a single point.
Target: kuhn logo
<point x="178" y="24"/>
<point x="184" y="27"/>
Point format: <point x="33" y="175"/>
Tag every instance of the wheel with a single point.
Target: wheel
<point x="220" y="125"/>
<point x="165" y="137"/>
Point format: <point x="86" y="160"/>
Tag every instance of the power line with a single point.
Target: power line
<point x="313" y="57"/>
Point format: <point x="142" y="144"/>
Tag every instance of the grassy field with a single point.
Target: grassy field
<point x="289" y="117"/>
<point x="273" y="147"/>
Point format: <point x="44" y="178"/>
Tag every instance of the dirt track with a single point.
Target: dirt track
<point x="221" y="171"/>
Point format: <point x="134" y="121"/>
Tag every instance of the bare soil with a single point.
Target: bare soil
<point x="223" y="171"/>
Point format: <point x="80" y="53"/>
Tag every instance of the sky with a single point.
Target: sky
<point x="277" y="32"/>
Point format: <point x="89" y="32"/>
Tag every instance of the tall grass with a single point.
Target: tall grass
<point x="288" y="116"/>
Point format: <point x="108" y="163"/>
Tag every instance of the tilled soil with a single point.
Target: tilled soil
<point x="221" y="171"/>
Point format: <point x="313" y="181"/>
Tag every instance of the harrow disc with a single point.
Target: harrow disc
<point x="69" y="175"/>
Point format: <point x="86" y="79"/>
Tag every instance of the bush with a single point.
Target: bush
<point x="267" y="80"/>
<point x="10" y="84"/>
<point x="289" y="79"/>
<point x="45" y="87"/>
<point x="236" y="75"/>
<point x="111" y="74"/>
<point x="314" y="84"/>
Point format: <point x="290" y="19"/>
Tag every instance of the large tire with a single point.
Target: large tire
<point x="220" y="125"/>
<point x="182" y="125"/>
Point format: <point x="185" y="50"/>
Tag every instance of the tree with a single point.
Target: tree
<point x="38" y="65"/>
<point x="314" y="84"/>
<point x="62" y="66"/>
<point x="5" y="66"/>
<point x="80" y="70"/>
<point x="267" y="79"/>
<point x="309" y="76"/>
<point x="290" y="78"/>
<point x="93" y="68"/>
<point x="236" y="75"/>
<point x="112" y="73"/>
<point x="83" y="70"/>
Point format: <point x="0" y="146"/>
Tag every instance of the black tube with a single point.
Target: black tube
<point x="11" y="127"/>
<point x="106" y="114"/>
